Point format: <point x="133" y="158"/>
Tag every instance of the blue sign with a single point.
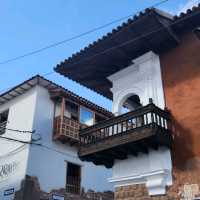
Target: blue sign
<point x="58" y="197"/>
<point x="9" y="192"/>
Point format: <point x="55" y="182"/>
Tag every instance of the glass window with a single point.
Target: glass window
<point x="3" y="121"/>
<point x="86" y="116"/>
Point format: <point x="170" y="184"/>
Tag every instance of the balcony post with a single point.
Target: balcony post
<point x="62" y="113"/>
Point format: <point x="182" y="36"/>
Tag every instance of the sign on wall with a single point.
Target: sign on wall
<point x="7" y="169"/>
<point x="9" y="194"/>
<point x="189" y="192"/>
<point x="58" y="197"/>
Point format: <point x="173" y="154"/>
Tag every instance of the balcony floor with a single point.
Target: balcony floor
<point x="119" y="146"/>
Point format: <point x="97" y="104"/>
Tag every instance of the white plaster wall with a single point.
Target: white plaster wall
<point x="21" y="112"/>
<point x="139" y="168"/>
<point x="142" y="78"/>
<point x="49" y="164"/>
<point x="35" y="111"/>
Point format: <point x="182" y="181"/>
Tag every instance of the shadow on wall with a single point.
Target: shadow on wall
<point x="183" y="155"/>
<point x="185" y="59"/>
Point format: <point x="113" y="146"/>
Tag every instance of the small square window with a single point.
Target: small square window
<point x="3" y="121"/>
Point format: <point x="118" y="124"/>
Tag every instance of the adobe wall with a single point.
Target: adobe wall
<point x="181" y="81"/>
<point x="31" y="190"/>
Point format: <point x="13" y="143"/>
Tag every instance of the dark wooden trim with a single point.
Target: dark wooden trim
<point x="131" y="133"/>
<point x="133" y="114"/>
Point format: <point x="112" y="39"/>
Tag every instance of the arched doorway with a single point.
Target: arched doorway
<point x="129" y="103"/>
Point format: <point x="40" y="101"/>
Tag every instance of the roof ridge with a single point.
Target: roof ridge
<point x="188" y="11"/>
<point x="130" y="20"/>
<point x="73" y="94"/>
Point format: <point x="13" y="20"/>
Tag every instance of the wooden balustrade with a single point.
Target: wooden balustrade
<point x="130" y="133"/>
<point x="66" y="129"/>
<point x="149" y="115"/>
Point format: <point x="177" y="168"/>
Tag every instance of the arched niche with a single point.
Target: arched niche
<point x="136" y="95"/>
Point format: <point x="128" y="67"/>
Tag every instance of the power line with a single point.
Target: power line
<point x="77" y="36"/>
<point x="13" y="152"/>
<point x="117" y="46"/>
<point x="122" y="44"/>
<point x="15" y="140"/>
<point x="19" y="131"/>
<point x="134" y="40"/>
<point x="37" y="144"/>
<point x="4" y="124"/>
<point x="55" y="150"/>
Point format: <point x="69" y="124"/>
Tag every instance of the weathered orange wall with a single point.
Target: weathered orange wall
<point x="181" y="80"/>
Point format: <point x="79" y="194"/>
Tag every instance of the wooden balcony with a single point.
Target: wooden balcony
<point x="128" y="134"/>
<point x="66" y="130"/>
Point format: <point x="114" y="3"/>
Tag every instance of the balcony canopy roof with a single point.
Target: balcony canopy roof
<point x="151" y="30"/>
<point x="54" y="89"/>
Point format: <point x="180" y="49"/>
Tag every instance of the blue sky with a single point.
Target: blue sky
<point x="30" y="25"/>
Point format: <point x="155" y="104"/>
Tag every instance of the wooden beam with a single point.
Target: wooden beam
<point x="167" y="27"/>
<point x="132" y="149"/>
<point x="117" y="153"/>
<point x="144" y="148"/>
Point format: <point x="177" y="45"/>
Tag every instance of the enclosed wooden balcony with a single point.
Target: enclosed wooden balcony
<point x="127" y="134"/>
<point x="66" y="130"/>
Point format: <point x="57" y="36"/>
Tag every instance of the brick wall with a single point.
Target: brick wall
<point x="135" y="192"/>
<point x="185" y="186"/>
<point x="181" y="80"/>
<point x="30" y="190"/>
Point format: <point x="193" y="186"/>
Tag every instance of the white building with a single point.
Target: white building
<point x="39" y="137"/>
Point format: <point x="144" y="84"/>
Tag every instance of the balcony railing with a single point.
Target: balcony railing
<point x="66" y="129"/>
<point x="137" y="125"/>
<point x="143" y="117"/>
<point x="3" y="127"/>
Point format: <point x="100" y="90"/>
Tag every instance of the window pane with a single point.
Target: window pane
<point x="86" y="117"/>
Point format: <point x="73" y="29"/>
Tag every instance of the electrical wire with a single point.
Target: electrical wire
<point x="121" y="45"/>
<point x="3" y="128"/>
<point x="141" y="36"/>
<point x="15" y="151"/>
<point x="15" y="140"/>
<point x="20" y="131"/>
<point x="133" y="40"/>
<point x="77" y="36"/>
<point x="37" y="144"/>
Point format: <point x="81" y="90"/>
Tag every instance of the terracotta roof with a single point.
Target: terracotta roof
<point x="151" y="30"/>
<point x="116" y="30"/>
<point x="51" y="86"/>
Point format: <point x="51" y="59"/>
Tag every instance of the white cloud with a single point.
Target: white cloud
<point x="188" y="5"/>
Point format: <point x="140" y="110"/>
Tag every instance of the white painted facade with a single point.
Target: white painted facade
<point x="142" y="78"/>
<point x="34" y="110"/>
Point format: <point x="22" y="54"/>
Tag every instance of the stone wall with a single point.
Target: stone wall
<point x="136" y="192"/>
<point x="186" y="184"/>
<point x="30" y="190"/>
